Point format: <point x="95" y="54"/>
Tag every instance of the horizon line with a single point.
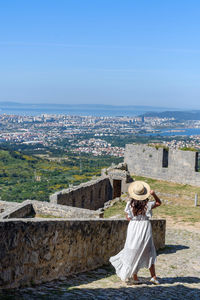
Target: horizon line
<point x="96" y="104"/>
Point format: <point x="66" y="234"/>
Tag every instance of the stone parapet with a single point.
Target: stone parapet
<point x="22" y="210"/>
<point x="159" y="230"/>
<point x="90" y="195"/>
<point x="4" y="205"/>
<point x="94" y="193"/>
<point x="62" y="211"/>
<point x="33" y="251"/>
<point x="33" y="208"/>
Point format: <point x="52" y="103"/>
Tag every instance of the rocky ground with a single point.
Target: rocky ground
<point x="178" y="270"/>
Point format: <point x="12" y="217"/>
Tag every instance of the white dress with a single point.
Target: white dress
<point x="139" y="250"/>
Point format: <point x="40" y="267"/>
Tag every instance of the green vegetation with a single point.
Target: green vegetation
<point x="122" y="140"/>
<point x="24" y="176"/>
<point x="47" y="216"/>
<point x="179" y="213"/>
<point x="177" y="115"/>
<point x="158" y="146"/>
<point x="181" y="190"/>
<point x="189" y="149"/>
<point x="178" y="202"/>
<point x="116" y="210"/>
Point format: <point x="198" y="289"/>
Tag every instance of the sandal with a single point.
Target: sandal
<point x="154" y="281"/>
<point x="131" y="281"/>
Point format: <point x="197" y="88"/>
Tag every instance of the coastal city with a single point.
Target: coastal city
<point x="91" y="134"/>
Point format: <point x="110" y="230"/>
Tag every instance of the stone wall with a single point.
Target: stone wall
<point x="35" y="251"/>
<point x="4" y="205"/>
<point x="33" y="208"/>
<point x="120" y="174"/>
<point x="91" y="194"/>
<point x="172" y="165"/>
<point x="158" y="229"/>
<point x="94" y="193"/>
<point x="23" y="210"/>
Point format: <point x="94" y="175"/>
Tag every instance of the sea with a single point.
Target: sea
<point x="79" y="110"/>
<point x="93" y="110"/>
<point x="176" y="132"/>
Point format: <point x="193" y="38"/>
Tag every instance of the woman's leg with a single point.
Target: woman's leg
<point x="152" y="271"/>
<point x="153" y="275"/>
<point x="135" y="277"/>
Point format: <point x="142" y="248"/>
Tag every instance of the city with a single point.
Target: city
<point x="90" y="134"/>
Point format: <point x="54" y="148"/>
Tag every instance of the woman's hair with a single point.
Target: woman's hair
<point x="139" y="207"/>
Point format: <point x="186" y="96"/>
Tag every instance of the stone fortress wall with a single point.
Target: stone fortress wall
<point x="34" y="251"/>
<point x="159" y="163"/>
<point x="94" y="193"/>
<point x="91" y="195"/>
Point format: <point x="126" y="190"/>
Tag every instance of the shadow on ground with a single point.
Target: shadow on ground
<point x="172" y="249"/>
<point x="69" y="288"/>
<point x="136" y="292"/>
<point x="172" y="280"/>
<point x="187" y="279"/>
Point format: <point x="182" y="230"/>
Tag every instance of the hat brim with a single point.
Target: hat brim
<point x="144" y="196"/>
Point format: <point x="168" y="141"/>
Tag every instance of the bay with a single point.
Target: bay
<point x="176" y="132"/>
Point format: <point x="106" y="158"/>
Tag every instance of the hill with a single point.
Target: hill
<point x="177" y="115"/>
<point x="24" y="176"/>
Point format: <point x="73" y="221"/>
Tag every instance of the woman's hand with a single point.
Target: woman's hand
<point x="157" y="199"/>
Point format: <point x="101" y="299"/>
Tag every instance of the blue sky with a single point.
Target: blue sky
<point x="108" y="52"/>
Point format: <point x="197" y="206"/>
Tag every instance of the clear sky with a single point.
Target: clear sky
<point x="143" y="52"/>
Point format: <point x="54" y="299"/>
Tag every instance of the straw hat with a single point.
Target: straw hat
<point x="139" y="190"/>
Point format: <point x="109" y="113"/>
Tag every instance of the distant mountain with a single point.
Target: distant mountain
<point x="88" y="106"/>
<point x="85" y="105"/>
<point x="178" y="115"/>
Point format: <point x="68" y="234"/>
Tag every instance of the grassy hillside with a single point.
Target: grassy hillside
<point x="29" y="177"/>
<point x="178" y="202"/>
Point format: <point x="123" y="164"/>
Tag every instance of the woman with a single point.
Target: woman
<point x="139" y="250"/>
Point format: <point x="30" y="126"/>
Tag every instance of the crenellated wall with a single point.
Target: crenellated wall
<point x="33" y="251"/>
<point x="172" y="165"/>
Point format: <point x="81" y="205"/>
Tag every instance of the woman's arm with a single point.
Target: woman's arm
<point x="156" y="198"/>
<point x="127" y="217"/>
